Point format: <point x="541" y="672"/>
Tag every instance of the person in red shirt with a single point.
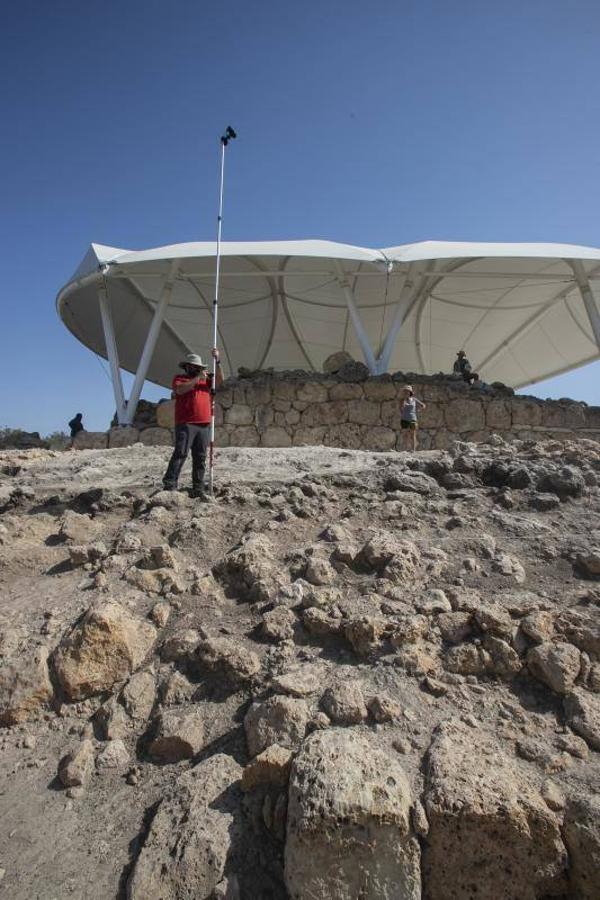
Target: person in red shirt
<point x="192" y="420"/>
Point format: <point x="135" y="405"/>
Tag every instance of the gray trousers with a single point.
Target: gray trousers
<point x="188" y="437"/>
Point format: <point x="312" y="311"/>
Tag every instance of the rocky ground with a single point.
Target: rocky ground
<point x="353" y="675"/>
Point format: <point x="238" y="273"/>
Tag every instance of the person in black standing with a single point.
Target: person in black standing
<point x="76" y="425"/>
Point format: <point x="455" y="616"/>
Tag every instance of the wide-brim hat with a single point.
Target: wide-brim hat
<point x="192" y="359"/>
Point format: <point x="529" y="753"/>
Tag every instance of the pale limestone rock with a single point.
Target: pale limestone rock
<point x="25" y="686"/>
<point x="76" y="767"/>
<point x="179" y="735"/>
<point x="348" y="825"/>
<point x="345" y="704"/>
<point x="138" y="695"/>
<point x="488" y="828"/>
<point x="275" y="436"/>
<point x="186" y="849"/>
<point x="582" y="712"/>
<point x="555" y="665"/>
<point x="103" y="648"/>
<point x="278" y="624"/>
<point x="278" y="720"/>
<point x="334" y="362"/>
<point x="114" y="757"/>
<point x="229" y="658"/>
<point x="581" y="832"/>
<point x="271" y="767"/>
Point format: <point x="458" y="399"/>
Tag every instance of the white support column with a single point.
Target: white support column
<point x="402" y="307"/>
<point x="587" y="295"/>
<point x="111" y="350"/>
<point x="359" y="329"/>
<point x="150" y="344"/>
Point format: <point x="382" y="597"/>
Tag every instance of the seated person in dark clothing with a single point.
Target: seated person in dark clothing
<point x="76" y="425"/>
<point x="462" y="368"/>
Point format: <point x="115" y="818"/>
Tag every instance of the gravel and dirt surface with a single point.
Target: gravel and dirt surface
<point x="351" y="675"/>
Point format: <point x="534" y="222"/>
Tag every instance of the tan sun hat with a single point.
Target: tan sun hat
<point x="408" y="387"/>
<point x="193" y="359"/>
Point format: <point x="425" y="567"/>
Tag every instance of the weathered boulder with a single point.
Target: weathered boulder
<point x="334" y="362"/>
<point x="490" y="834"/>
<point x="102" y="648"/>
<point x="345" y="703"/>
<point x="75" y="769"/>
<point x="271" y="767"/>
<point x="247" y="566"/>
<point x="556" y="665"/>
<point x="581" y="832"/>
<point x="114" y="757"/>
<point x="278" y="624"/>
<point x="179" y="735"/>
<point x="278" y="720"/>
<point x="582" y="712"/>
<point x="348" y="827"/>
<point x="229" y="658"/>
<point x="25" y="686"/>
<point x="567" y="482"/>
<point x="186" y="849"/>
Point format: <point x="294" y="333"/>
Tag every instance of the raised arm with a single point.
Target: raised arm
<point x="184" y="387"/>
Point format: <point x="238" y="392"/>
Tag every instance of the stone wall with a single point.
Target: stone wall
<point x="356" y="411"/>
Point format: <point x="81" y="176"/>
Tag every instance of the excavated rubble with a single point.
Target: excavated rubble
<point x="352" y="675"/>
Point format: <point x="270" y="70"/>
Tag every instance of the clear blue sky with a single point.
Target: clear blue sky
<point x="369" y="123"/>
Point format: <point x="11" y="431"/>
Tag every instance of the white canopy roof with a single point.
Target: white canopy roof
<point x="522" y="312"/>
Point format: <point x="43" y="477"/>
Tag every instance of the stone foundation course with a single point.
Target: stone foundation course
<point x="355" y="411"/>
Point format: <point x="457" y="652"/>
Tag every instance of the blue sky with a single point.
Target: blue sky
<point x="373" y="124"/>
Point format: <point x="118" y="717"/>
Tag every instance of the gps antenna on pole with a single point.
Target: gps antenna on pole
<point x="225" y="138"/>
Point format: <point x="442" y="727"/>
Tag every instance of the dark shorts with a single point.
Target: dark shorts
<point x="405" y="423"/>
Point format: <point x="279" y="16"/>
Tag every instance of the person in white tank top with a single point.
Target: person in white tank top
<point x="408" y="418"/>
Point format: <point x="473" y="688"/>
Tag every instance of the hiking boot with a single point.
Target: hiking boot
<point x="169" y="487"/>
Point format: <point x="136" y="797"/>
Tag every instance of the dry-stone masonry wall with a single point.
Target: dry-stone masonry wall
<point x="353" y="410"/>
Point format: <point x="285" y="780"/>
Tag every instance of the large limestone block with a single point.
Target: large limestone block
<point x="335" y="361"/>
<point x="345" y="435"/>
<point x="91" y="440"/>
<point x="346" y="391"/>
<point x="123" y="436"/>
<point x="379" y="390"/>
<point x="244" y="436"/>
<point x="432" y="416"/>
<point x="331" y="413"/>
<point x="379" y="438"/>
<point x="275" y="436"/>
<point x="311" y="437"/>
<point x="526" y="411"/>
<point x="25" y="686"/>
<point x="582" y="836"/>
<point x="185" y="852"/>
<point x="563" y="415"/>
<point x="364" y="412"/>
<point x="263" y="417"/>
<point x="390" y="414"/>
<point x="498" y="415"/>
<point x="464" y="415"/>
<point x="582" y="712"/>
<point x="312" y="392"/>
<point x="239" y="414"/>
<point x="490" y="833"/>
<point x="284" y="390"/>
<point x="348" y="825"/>
<point x="156" y="437"/>
<point x="278" y="720"/>
<point x="258" y="394"/>
<point x="103" y="647"/>
<point x="221" y="437"/>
